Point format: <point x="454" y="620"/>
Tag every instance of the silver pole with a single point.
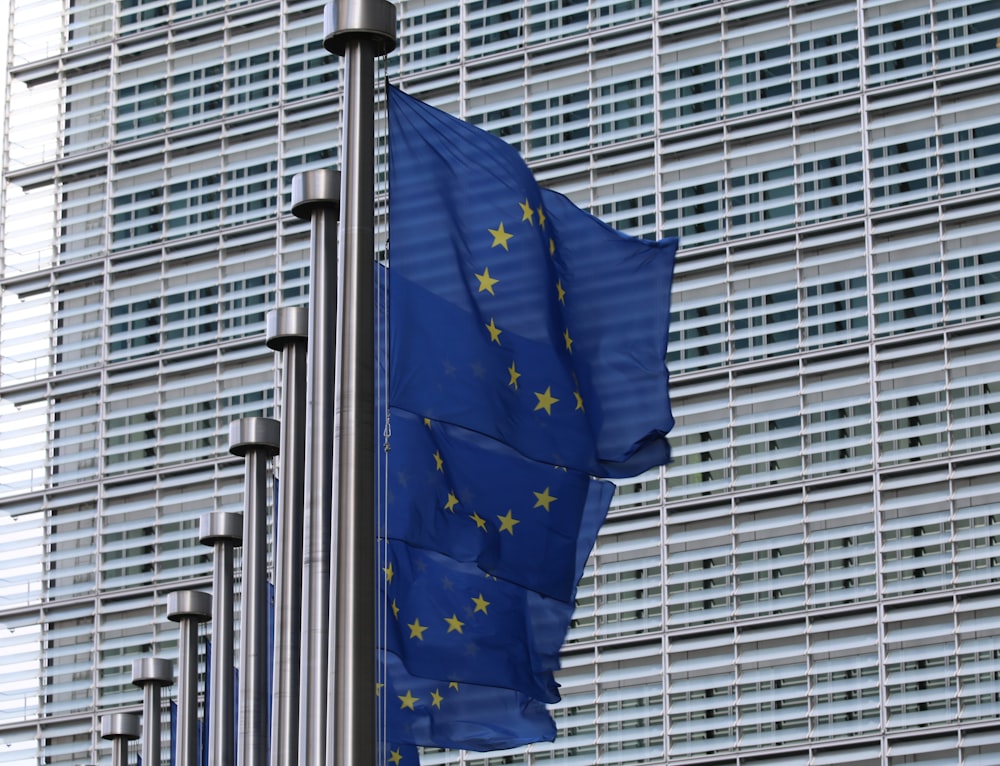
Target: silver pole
<point x="188" y="608"/>
<point x="120" y="728"/>
<point x="256" y="439"/>
<point x="223" y="531"/>
<point x="287" y="329"/>
<point x="149" y="674"/>
<point x="316" y="197"/>
<point x="359" y="31"/>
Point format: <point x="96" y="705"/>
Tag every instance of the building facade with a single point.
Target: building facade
<point x="813" y="580"/>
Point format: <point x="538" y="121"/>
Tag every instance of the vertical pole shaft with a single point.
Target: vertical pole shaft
<point x="187" y="693"/>
<point x="151" y="673"/>
<point x="358" y="31"/>
<point x="316" y="197"/>
<point x="223" y="531"/>
<point x="353" y="603"/>
<point x="151" y="734"/>
<point x="287" y="329"/>
<point x="256" y="439"/>
<point x="188" y="608"/>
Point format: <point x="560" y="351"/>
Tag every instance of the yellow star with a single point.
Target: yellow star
<point x="481" y="604"/>
<point x="378" y="688"/>
<point x="569" y="340"/>
<point x="395" y="609"/>
<point x="500" y="237"/>
<point x="436" y="699"/>
<point x="494" y="331"/>
<point x="388" y="572"/>
<point x="579" y="401"/>
<point x="416" y="629"/>
<point x="454" y="624"/>
<point x="480" y="521"/>
<point x="552" y="246"/>
<point x="438" y="462"/>
<point x="453" y="685"/>
<point x="545" y="400"/>
<point x="560" y="292"/>
<point x="486" y="282"/>
<point x="452" y="502"/>
<point x="427" y="422"/>
<point x="507" y="522"/>
<point x="527" y="214"/>
<point x="408" y="701"/>
<point x="544" y="499"/>
<point x="541" y="217"/>
<point x="514" y="375"/>
<point x="396" y="756"/>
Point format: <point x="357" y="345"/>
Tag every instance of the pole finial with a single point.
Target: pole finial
<point x="344" y="20"/>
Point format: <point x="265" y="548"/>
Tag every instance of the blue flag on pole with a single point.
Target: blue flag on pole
<point x="526" y="319"/>
<point x="527" y="345"/>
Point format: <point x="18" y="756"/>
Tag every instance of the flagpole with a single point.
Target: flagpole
<point x="188" y="608"/>
<point x="357" y="30"/>
<point x="287" y="330"/>
<point x="316" y="198"/>
<point x="256" y="439"/>
<point x="223" y="530"/>
<point x="150" y="674"/>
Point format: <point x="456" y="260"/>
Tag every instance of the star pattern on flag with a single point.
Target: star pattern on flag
<point x="500" y="237"/>
<point x="544" y="500"/>
<point x="545" y="400"/>
<point x="508" y="522"/>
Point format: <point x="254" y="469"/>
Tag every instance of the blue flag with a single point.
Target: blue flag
<point x="453" y="714"/>
<point x="523" y="318"/>
<point x="527" y="345"/>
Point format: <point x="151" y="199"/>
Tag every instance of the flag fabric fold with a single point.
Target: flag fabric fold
<point x="476" y="500"/>
<point x="452" y="714"/>
<point x="450" y="621"/>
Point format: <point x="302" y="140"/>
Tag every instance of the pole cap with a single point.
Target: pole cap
<point x="220" y="527"/>
<point x="374" y="20"/>
<point x="152" y="670"/>
<point x="316" y="188"/>
<point x="189" y="603"/>
<point x="287" y="325"/>
<point x="115" y="725"/>
<point x="246" y="434"/>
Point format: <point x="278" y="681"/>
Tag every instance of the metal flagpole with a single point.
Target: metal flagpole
<point x="119" y="728"/>
<point x="287" y="329"/>
<point x="316" y="197"/>
<point x="256" y="439"/>
<point x="357" y="30"/>
<point x="223" y="531"/>
<point x="149" y="674"/>
<point x="188" y="608"/>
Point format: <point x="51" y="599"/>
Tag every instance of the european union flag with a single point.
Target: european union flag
<point x="526" y="319"/>
<point x="456" y="714"/>
<point x="478" y="501"/>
